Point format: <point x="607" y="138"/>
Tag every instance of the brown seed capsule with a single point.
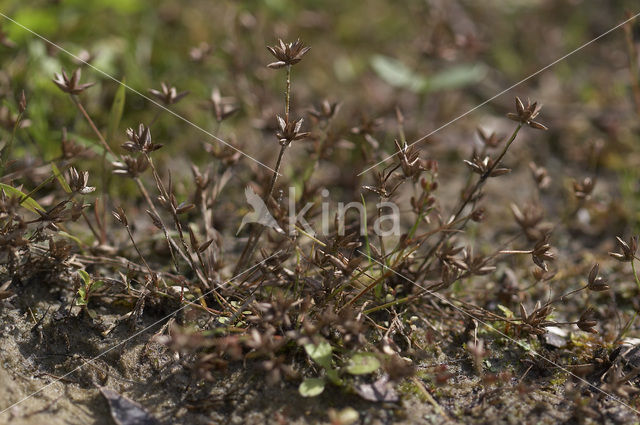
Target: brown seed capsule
<point x="628" y="249"/>
<point x="290" y="131"/>
<point x="168" y="94"/>
<point x="587" y="321"/>
<point x="595" y="282"/>
<point x="78" y="181"/>
<point x="119" y="215"/>
<point x="583" y="189"/>
<point x="287" y="53"/>
<point x="526" y="114"/>
<point x="71" y="85"/>
<point x="140" y="140"/>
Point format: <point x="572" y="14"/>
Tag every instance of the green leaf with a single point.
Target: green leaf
<point x="86" y="279"/>
<point x="60" y="177"/>
<point x="363" y="363"/>
<point x="97" y="285"/>
<point x="28" y="203"/>
<point x="116" y="112"/>
<point x="70" y="236"/>
<point x="311" y="387"/>
<point x="333" y="376"/>
<point x="320" y="353"/>
<point x="456" y="77"/>
<point x="507" y="312"/>
<point x="397" y="74"/>
<point x="82" y="297"/>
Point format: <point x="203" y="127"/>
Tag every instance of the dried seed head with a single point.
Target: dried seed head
<point x="583" y="189"/>
<point x="140" y="140"/>
<point x="119" y="215"/>
<point x="534" y="323"/>
<point x="542" y="252"/>
<point x="526" y="114"/>
<point x="78" y="181"/>
<point x="628" y="249"/>
<point x="290" y="131"/>
<point x="529" y="219"/>
<point x="287" y="54"/>
<point x="71" y="85"/>
<point x="485" y="167"/>
<point x="326" y="112"/>
<point x="130" y="166"/>
<point x="222" y="107"/>
<point x="587" y="321"/>
<point x="490" y="140"/>
<point x="155" y="219"/>
<point x="168" y="94"/>
<point x="540" y="175"/>
<point x="409" y="160"/>
<point x="595" y="282"/>
<point x="477" y="265"/>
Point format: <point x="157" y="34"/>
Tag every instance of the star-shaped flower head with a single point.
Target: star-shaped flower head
<point x="526" y="114"/>
<point x="71" y="85"/>
<point x="287" y="54"/>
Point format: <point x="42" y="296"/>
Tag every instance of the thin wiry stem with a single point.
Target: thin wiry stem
<point x="147" y="198"/>
<point x="135" y="246"/>
<point x="103" y="142"/>
<point x="176" y="220"/>
<point x="470" y="195"/>
<point x="252" y="242"/>
<point x="8" y="147"/>
<point x="287" y="94"/>
<point x="635" y="274"/>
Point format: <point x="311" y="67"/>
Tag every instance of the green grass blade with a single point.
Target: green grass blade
<point x="116" y="112"/>
<point x="28" y="203"/>
<point x="60" y="177"/>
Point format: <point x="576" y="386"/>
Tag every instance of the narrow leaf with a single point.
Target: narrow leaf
<point x="60" y="177"/>
<point x="28" y="203"/>
<point x="116" y="112"/>
<point x="397" y="74"/>
<point x="70" y="236"/>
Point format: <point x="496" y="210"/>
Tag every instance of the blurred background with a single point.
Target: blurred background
<point x="433" y="60"/>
